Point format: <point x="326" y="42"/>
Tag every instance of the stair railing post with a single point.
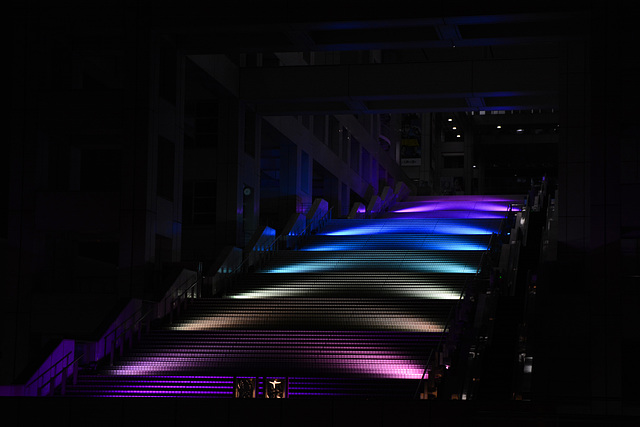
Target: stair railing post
<point x="63" y="384"/>
<point x="113" y="350"/>
<point x="75" y="372"/>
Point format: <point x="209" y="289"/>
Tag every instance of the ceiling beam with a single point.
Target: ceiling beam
<point x="437" y="86"/>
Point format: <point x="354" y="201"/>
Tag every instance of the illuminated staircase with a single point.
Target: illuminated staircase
<point x="355" y="312"/>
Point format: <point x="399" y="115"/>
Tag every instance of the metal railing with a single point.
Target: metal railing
<point x="107" y="346"/>
<point x="131" y="329"/>
<point x="456" y="309"/>
<point x="190" y="292"/>
<point x="51" y="381"/>
<point x="275" y="247"/>
<point x="109" y="350"/>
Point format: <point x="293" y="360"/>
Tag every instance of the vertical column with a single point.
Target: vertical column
<point x="614" y="205"/>
<point x="569" y="376"/>
<point x="20" y="215"/>
<point x="468" y="158"/>
<point x="289" y="177"/>
<point x="426" y="176"/>
<point x="137" y="164"/>
<point x="597" y="95"/>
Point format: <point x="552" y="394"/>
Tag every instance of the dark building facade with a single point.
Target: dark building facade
<point x="145" y="138"/>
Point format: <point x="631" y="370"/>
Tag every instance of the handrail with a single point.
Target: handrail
<point x="433" y="349"/>
<point x="482" y="344"/>
<point x="63" y="372"/>
<point x="320" y="221"/>
<point x="50" y="368"/>
<point x="246" y="259"/>
<point x="282" y="236"/>
<point x="115" y="330"/>
<point x="179" y="297"/>
<point x="270" y="248"/>
<point x="454" y="308"/>
<point x="113" y="336"/>
<point x="126" y="329"/>
<point x="53" y="377"/>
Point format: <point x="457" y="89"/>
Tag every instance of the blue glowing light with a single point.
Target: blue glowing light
<point x="431" y="246"/>
<point x="419" y="226"/>
<point x="418" y="261"/>
<point x="397" y="242"/>
<point x="315" y="267"/>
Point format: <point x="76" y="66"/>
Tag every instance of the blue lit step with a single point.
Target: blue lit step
<point x="413" y="241"/>
<point x="420" y="261"/>
<point x="409" y="314"/>
<point x="355" y="227"/>
<point x="350" y="284"/>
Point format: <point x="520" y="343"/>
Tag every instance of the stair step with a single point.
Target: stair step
<point x="355" y="312"/>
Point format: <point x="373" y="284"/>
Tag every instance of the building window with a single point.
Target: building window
<point x="59" y="166"/>
<point x="100" y="250"/>
<point x="203" y="124"/>
<point x="319" y="127"/>
<point x="346" y="140"/>
<point x="199" y="202"/>
<point x="355" y="154"/>
<point x="164" y="250"/>
<point x="334" y="134"/>
<point x="250" y="133"/>
<point x="100" y="169"/>
<point x="168" y="72"/>
<point x="166" y="159"/>
<point x="366" y="165"/>
<point x="453" y="160"/>
<point x="305" y="119"/>
<point x="304" y="172"/>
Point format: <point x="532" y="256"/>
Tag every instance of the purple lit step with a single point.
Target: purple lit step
<point x="151" y="386"/>
<point x="450" y="207"/>
<point x="355" y="313"/>
<point x="178" y="386"/>
<point x="357" y="354"/>
<point x="348" y="387"/>
<point x="444" y="214"/>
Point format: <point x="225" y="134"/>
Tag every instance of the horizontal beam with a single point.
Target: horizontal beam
<point x="437" y="86"/>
